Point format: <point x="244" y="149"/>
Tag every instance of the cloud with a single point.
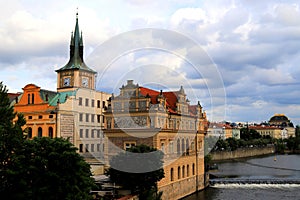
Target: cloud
<point x="251" y="46"/>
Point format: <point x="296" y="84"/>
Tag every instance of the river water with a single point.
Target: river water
<point x="277" y="175"/>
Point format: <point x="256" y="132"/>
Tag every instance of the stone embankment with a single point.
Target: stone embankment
<point x="242" y="153"/>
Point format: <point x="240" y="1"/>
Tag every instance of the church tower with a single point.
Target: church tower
<point x="75" y="74"/>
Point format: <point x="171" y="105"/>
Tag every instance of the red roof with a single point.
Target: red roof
<point x="171" y="100"/>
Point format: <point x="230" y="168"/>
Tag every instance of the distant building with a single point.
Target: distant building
<point x="280" y="120"/>
<point x="223" y="131"/>
<point x="279" y="127"/>
<point x="166" y="121"/>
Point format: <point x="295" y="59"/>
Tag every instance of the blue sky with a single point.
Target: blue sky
<point x="253" y="45"/>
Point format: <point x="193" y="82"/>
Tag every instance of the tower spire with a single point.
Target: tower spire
<point x="76" y="60"/>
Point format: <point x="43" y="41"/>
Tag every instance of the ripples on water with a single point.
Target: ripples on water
<point x="285" y="167"/>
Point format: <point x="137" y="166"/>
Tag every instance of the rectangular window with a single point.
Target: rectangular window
<point x="98" y="133"/>
<point x="86" y="102"/>
<point x="92" y="147"/>
<point x="98" y="118"/>
<point x="92" y="134"/>
<point x="80" y="101"/>
<point x="40" y="117"/>
<point x="98" y="147"/>
<point x="50" y="116"/>
<point x="87" y="117"/>
<point x="93" y="103"/>
<point x="80" y="117"/>
<point x="29" y="117"/>
<point x="92" y="117"/>
<point x="87" y="133"/>
<point x="98" y="103"/>
<point x="128" y="145"/>
<point x="103" y="104"/>
<point x="86" y="147"/>
<point x="81" y="133"/>
<point x="80" y="148"/>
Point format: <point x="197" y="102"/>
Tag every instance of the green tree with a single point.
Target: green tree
<point x="144" y="182"/>
<point x="233" y="143"/>
<point x="54" y="170"/>
<point x="11" y="141"/>
<point x="297" y="131"/>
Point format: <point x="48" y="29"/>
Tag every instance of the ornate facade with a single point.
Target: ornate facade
<point x="166" y="121"/>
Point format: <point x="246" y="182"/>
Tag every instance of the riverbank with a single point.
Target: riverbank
<point x="242" y="153"/>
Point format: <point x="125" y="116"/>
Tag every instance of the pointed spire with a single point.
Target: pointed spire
<point x="76" y="51"/>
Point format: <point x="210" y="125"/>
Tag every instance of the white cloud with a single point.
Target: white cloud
<point x="255" y="45"/>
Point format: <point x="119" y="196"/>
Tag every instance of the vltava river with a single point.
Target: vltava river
<point x="283" y="168"/>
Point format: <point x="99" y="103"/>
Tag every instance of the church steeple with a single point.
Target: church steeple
<point x="76" y="74"/>
<point x="76" y="60"/>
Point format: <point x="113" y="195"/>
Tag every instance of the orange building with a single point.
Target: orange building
<point x="40" y="115"/>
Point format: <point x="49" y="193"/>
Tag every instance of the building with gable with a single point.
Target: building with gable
<point x="166" y="121"/>
<point x="38" y="110"/>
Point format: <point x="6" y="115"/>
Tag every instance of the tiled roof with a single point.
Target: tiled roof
<point x="61" y="97"/>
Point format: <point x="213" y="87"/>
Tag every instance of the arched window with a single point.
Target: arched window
<point x="187" y="148"/>
<point x="50" y="132"/>
<point x="178" y="146"/>
<point x="187" y="170"/>
<point x="182" y="146"/>
<point x="193" y="169"/>
<point x="40" y="132"/>
<point x="29" y="132"/>
<point x="32" y="98"/>
<point x="172" y="174"/>
<point x="183" y="171"/>
<point x="178" y="173"/>
<point x="28" y="98"/>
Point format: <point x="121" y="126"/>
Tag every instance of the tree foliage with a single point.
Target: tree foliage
<point x="141" y="183"/>
<point x="42" y="168"/>
<point x="249" y="134"/>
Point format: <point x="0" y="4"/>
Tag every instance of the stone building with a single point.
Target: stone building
<point x="166" y="121"/>
<point x="80" y="106"/>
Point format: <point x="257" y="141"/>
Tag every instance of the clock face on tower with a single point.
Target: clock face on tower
<point x="67" y="81"/>
<point x="85" y="82"/>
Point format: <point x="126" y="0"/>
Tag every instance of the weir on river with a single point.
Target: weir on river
<point x="244" y="181"/>
<point x="254" y="178"/>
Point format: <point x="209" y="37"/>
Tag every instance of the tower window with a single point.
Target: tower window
<point x="80" y="101"/>
<point x="28" y="98"/>
<point x="32" y="98"/>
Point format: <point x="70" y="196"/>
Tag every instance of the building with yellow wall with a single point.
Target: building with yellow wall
<point x="166" y="121"/>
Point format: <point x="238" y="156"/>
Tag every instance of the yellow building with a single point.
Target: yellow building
<point x="166" y="121"/>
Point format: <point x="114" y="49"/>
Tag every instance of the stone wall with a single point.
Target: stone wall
<point x="242" y="153"/>
<point x="183" y="188"/>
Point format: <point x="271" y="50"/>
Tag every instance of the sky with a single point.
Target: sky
<point x="239" y="58"/>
